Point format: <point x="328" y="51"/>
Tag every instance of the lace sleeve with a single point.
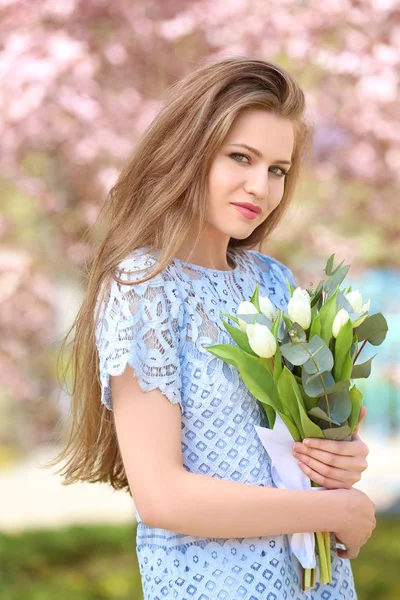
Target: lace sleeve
<point x="140" y="325"/>
<point x="280" y="271"/>
<point x="286" y="272"/>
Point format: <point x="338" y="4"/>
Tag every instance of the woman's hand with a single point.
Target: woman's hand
<point x="333" y="464"/>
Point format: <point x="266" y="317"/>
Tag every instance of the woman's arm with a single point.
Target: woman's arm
<point x="167" y="496"/>
<point x="204" y="506"/>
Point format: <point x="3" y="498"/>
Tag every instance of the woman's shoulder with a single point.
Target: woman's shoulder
<point x="275" y="266"/>
<point x="138" y="263"/>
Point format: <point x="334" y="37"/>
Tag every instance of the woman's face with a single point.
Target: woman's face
<point x="254" y="174"/>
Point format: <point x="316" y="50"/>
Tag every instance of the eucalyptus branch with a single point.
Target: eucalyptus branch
<point x="360" y="350"/>
<point x="322" y="381"/>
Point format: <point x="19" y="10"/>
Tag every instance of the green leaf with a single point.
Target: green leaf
<point x="257" y="379"/>
<point x="289" y="287"/>
<point x="356" y="398"/>
<point x="270" y="412"/>
<point x="235" y="319"/>
<point x="329" y="265"/>
<point x="362" y="370"/>
<point x="293" y="430"/>
<point x="343" y="362"/>
<point x="317" y="295"/>
<point x="308" y="402"/>
<point x="327" y="315"/>
<point x="310" y="429"/>
<point x="288" y="397"/>
<point x="354" y="347"/>
<point x="373" y="329"/>
<point x="240" y="337"/>
<point x="255" y="298"/>
<point x="315" y="328"/>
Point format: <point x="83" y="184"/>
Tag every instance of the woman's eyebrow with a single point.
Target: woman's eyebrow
<point x="259" y="154"/>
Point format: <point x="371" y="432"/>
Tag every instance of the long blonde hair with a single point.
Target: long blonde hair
<point x="160" y="193"/>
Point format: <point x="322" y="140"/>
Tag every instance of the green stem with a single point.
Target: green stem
<point x="328" y="554"/>
<point x="323" y="560"/>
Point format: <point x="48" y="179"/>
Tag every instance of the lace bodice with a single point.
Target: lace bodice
<point x="159" y="328"/>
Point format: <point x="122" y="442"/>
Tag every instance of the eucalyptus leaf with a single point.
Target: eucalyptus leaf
<point x="342" y="302"/>
<point x="283" y="335"/>
<point x="249" y="318"/>
<point x="297" y="333"/>
<point x="264" y="320"/>
<point x="374" y="329"/>
<point x="362" y="370"/>
<point x="316" y="385"/>
<point x="337" y="433"/>
<point x="335" y="279"/>
<point x="318" y="413"/>
<point x="329" y="265"/>
<point x="339" y="405"/>
<point x="296" y="353"/>
<point x="339" y="386"/>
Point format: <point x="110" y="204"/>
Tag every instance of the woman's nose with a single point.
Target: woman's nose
<point x="257" y="184"/>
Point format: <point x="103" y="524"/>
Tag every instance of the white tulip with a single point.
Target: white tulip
<point x="266" y="307"/>
<point x="355" y="299"/>
<point x="365" y="308"/>
<point x="299" y="308"/>
<point x="246" y="308"/>
<point x="341" y="318"/>
<point x="261" y="340"/>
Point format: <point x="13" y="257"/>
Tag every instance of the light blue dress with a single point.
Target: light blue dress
<point x="159" y="328"/>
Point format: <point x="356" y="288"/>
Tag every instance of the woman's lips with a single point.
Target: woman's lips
<point x="250" y="214"/>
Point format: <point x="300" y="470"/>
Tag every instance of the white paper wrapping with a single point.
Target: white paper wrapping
<point x="286" y="473"/>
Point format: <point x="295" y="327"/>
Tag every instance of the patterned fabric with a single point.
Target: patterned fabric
<point x="159" y="328"/>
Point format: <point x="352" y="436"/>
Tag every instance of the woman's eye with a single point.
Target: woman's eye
<point x="235" y="154"/>
<point x="282" y="172"/>
<point x="238" y="156"/>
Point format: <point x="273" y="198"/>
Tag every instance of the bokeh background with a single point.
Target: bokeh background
<point x="81" y="79"/>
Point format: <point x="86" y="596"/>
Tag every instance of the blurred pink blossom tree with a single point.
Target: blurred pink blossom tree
<point x="81" y="79"/>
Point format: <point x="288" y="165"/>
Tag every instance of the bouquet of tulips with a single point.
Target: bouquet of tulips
<point x="300" y="365"/>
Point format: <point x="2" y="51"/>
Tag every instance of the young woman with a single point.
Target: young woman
<point x="155" y="413"/>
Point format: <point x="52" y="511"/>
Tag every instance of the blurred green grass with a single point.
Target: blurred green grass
<point x="100" y="563"/>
